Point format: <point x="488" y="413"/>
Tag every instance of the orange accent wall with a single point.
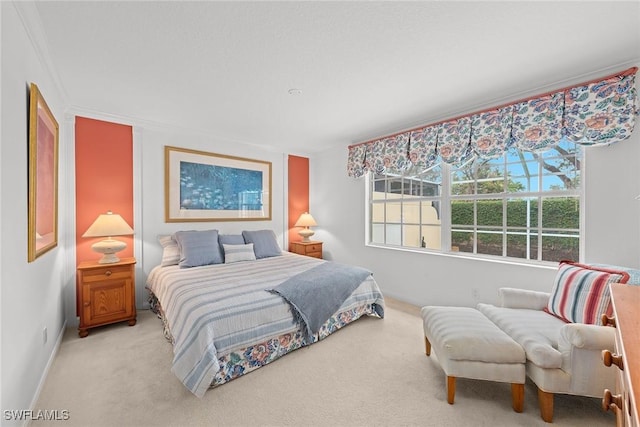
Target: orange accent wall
<point x="298" y="195"/>
<point x="104" y="179"/>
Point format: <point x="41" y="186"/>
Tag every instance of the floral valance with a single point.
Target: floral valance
<point x="595" y="113"/>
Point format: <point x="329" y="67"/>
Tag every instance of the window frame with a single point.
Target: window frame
<point x="446" y="197"/>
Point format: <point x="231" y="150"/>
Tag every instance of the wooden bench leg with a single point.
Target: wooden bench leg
<point x="427" y="346"/>
<point x="517" y="396"/>
<point x="451" y="389"/>
<point x="545" y="400"/>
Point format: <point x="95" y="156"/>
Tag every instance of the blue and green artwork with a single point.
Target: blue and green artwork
<point x="211" y="187"/>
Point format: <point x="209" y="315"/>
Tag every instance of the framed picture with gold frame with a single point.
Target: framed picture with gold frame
<point x="43" y="176"/>
<point x="202" y="186"/>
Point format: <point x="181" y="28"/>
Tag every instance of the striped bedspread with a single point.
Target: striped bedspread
<point x="214" y="310"/>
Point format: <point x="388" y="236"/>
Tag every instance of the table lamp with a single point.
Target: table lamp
<point x="306" y="221"/>
<point x="107" y="225"/>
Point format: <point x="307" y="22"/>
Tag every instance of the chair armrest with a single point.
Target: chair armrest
<point x="581" y="347"/>
<point x="523" y="298"/>
<point x="588" y="337"/>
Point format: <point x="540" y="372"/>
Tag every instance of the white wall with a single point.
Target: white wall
<point x="611" y="224"/>
<point x="31" y="292"/>
<point x="612" y="213"/>
<point x="150" y="166"/>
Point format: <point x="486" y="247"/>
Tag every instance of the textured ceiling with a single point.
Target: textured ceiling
<point x="365" y="69"/>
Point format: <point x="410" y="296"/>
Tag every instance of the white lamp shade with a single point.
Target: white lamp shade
<point x="107" y="225"/>
<point x="305" y="220"/>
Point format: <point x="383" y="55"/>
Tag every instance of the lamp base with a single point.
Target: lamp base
<point x="108" y="248"/>
<point x="306" y="233"/>
<point x="108" y="259"/>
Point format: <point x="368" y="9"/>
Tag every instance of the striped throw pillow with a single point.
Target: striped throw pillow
<point x="580" y="293"/>
<point x="170" y="250"/>
<point x="237" y="253"/>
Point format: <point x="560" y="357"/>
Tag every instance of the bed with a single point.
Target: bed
<point x="228" y="319"/>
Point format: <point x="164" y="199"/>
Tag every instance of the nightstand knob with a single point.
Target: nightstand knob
<point x="107" y="273"/>
<point x="87" y="304"/>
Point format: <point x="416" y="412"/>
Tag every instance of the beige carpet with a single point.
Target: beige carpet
<point x="373" y="372"/>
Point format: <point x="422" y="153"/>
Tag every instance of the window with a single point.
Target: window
<point x="521" y="205"/>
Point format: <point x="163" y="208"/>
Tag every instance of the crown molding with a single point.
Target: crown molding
<point x="513" y="97"/>
<point x="32" y="23"/>
<point x="75" y="110"/>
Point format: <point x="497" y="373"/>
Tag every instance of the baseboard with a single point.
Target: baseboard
<point x="45" y="373"/>
<point x="400" y="304"/>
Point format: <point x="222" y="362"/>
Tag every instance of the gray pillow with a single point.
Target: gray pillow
<point x="264" y="243"/>
<point x="198" y="248"/>
<point x="229" y="239"/>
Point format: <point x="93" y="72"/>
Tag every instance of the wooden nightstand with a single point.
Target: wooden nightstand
<point x="313" y="249"/>
<point x="105" y="293"/>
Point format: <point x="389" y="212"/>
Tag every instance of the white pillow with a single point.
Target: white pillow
<point x="170" y="250"/>
<point x="237" y="253"/>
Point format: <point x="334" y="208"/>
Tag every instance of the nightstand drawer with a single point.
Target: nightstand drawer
<point x="315" y="247"/>
<point x="312" y="249"/>
<point x="107" y="273"/>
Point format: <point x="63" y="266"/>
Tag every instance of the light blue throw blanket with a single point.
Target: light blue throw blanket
<point x="316" y="294"/>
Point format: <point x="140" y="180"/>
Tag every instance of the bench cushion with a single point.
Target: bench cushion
<point x="535" y="330"/>
<point x="465" y="334"/>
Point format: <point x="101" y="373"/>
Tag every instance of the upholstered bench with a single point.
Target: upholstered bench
<point x="469" y="345"/>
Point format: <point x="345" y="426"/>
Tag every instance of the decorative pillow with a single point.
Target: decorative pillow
<point x="580" y="293"/>
<point x="198" y="248"/>
<point x="634" y="275"/>
<point x="170" y="250"/>
<point x="229" y="239"/>
<point x="236" y="253"/>
<point x="264" y="243"/>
